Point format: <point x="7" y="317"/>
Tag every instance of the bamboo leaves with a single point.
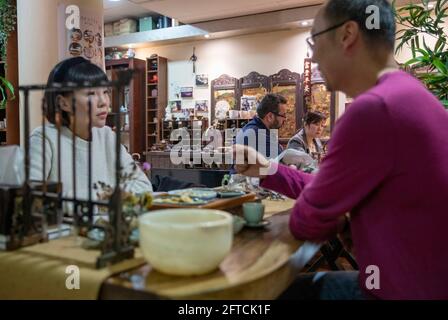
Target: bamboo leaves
<point x="419" y="20"/>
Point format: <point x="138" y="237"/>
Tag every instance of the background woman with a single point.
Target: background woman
<point x="307" y="139"/>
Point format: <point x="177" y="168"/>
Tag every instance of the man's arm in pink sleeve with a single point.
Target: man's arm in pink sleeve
<point x="287" y="181"/>
<point x="360" y="157"/>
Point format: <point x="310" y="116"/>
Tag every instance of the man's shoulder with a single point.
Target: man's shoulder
<point x="254" y="124"/>
<point x="395" y="88"/>
<point x="366" y="107"/>
<point x="370" y="98"/>
<point x="368" y="112"/>
<point x="393" y="93"/>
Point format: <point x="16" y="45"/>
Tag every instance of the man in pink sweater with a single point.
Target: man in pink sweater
<point x="387" y="165"/>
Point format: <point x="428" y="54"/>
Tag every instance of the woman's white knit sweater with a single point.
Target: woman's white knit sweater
<point x="103" y="160"/>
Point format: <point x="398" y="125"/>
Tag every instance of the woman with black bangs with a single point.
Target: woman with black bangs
<point x="79" y="70"/>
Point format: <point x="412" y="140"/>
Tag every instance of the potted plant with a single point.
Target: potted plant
<point x="7" y="25"/>
<point x="429" y="63"/>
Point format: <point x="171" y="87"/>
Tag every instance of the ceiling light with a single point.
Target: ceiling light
<point x="207" y="36"/>
<point x="114" y="0"/>
<point x="305" y="23"/>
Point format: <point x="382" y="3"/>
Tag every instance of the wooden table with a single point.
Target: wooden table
<point x="261" y="265"/>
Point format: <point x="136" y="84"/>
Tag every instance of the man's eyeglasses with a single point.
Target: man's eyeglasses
<point x="279" y="114"/>
<point x="310" y="40"/>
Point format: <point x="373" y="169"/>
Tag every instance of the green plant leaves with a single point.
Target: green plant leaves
<point x="3" y="101"/>
<point x="414" y="61"/>
<point x="440" y="45"/>
<point x="418" y="20"/>
<point x="440" y="66"/>
<point x="8" y="85"/>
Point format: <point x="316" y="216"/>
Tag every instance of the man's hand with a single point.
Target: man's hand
<point x="249" y="162"/>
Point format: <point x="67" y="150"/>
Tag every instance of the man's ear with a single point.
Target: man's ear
<point x="268" y="117"/>
<point x="63" y="103"/>
<point x="349" y="35"/>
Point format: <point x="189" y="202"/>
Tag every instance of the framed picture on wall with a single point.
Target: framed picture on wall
<point x="185" y="113"/>
<point x="201" y="106"/>
<point x="186" y="92"/>
<point x="202" y="79"/>
<point x="176" y="106"/>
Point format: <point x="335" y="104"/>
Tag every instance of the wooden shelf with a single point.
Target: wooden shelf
<point x="157" y="70"/>
<point x="118" y="62"/>
<point x="3" y="130"/>
<point x="239" y="119"/>
<point x="133" y="136"/>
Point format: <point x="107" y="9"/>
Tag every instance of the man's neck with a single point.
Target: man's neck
<point x="366" y="77"/>
<point x="265" y="123"/>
